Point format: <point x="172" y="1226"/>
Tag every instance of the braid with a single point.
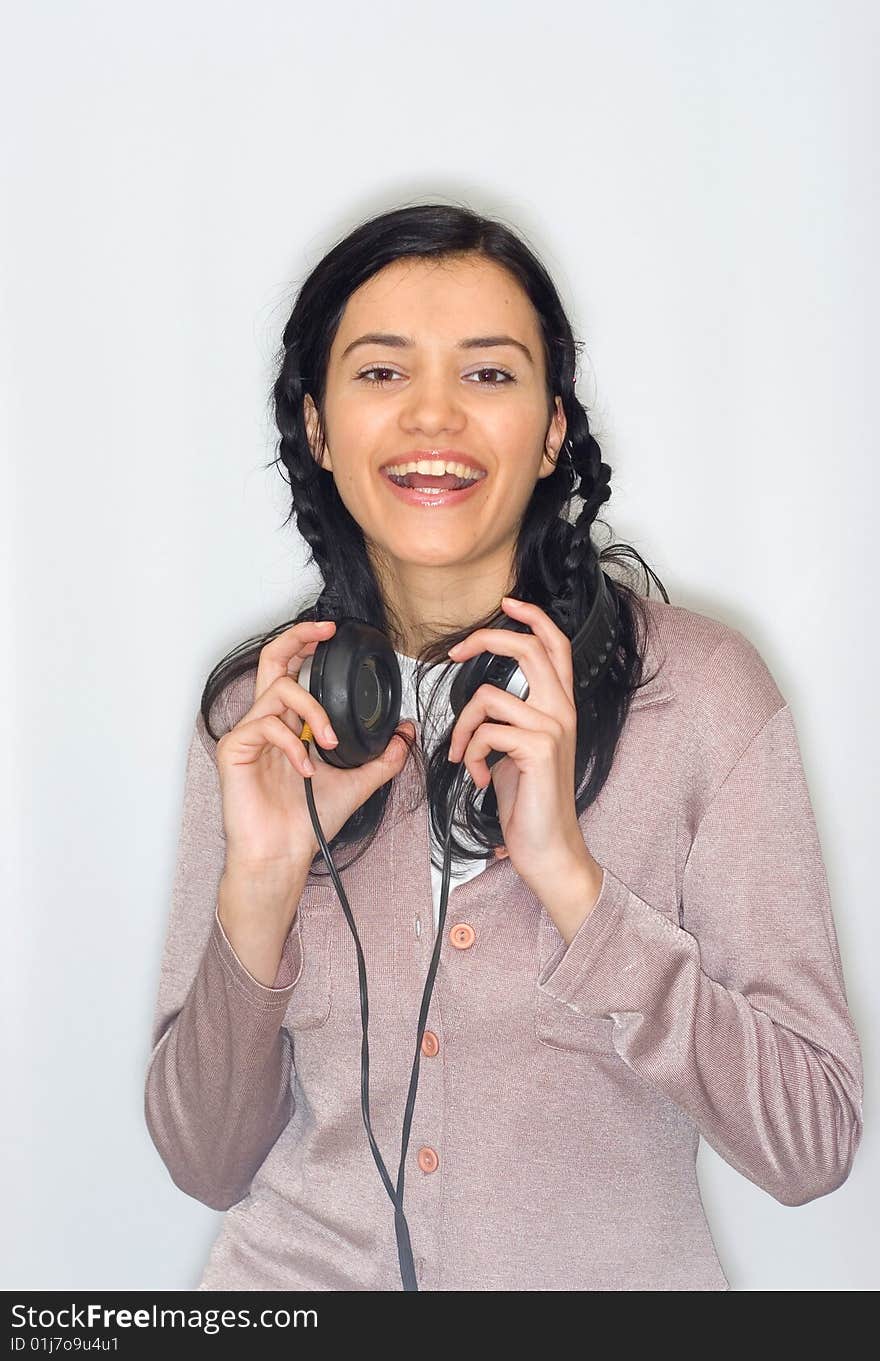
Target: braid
<point x="590" y="478"/>
<point x="303" y="477"/>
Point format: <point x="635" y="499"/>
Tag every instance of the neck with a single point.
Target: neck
<point x="432" y="600"/>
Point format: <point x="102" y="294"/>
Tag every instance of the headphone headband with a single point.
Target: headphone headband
<point x="594" y="642"/>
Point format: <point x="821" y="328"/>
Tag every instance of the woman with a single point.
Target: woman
<point x="641" y="947"/>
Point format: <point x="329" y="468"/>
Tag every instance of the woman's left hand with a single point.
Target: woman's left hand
<point x="535" y="789"/>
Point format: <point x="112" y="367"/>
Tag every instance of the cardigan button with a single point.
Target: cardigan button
<point x="430" y="1044"/>
<point x="428" y="1160"/>
<point x="462" y="935"/>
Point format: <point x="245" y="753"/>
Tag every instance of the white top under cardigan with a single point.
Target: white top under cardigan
<point x="437" y="714"/>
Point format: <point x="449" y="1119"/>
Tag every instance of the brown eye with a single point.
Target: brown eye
<point x="377" y="382"/>
<point x="508" y="377"/>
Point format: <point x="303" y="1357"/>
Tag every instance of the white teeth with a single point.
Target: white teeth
<point x="434" y="467"/>
<point x="432" y="491"/>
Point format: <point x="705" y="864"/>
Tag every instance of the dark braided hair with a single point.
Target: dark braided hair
<point x="556" y="562"/>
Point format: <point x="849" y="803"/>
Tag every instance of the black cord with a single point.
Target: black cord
<point x="401" y="1228"/>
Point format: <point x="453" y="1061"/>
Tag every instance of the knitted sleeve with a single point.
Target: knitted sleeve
<point x="739" y="1014"/>
<point x="218" y="1087"/>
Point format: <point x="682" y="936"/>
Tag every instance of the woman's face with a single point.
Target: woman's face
<point x="393" y="401"/>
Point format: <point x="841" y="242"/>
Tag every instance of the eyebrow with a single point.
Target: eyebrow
<point x="404" y="343"/>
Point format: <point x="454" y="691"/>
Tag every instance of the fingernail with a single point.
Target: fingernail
<point x="330" y="735"/>
<point x="308" y="767"/>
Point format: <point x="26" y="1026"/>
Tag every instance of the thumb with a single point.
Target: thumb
<point x="397" y="750"/>
<point x="398" y="747"/>
<point x="391" y="760"/>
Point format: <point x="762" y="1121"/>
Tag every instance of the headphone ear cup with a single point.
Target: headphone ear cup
<point x="356" y="679"/>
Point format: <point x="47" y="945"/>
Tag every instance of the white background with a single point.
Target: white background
<point x="700" y="176"/>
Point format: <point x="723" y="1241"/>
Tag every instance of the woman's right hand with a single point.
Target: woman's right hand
<point x="262" y="772"/>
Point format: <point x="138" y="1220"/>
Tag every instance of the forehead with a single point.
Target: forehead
<point x="439" y="300"/>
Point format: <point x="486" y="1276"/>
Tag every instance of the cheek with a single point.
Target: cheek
<point x="519" y="441"/>
<point x="357" y="430"/>
<point x="516" y="479"/>
<point x="357" y="436"/>
<point x="358" y="410"/>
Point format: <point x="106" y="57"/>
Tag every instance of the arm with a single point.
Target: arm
<point x="217" y="1090"/>
<point x="740" y="1015"/>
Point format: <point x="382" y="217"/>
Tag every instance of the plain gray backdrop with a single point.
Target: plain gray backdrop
<point x="700" y="176"/>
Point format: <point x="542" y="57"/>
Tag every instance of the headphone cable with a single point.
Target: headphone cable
<point x="401" y="1228"/>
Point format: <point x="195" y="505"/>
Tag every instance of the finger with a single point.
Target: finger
<point x="247" y="741"/>
<point x="527" y="648"/>
<point x="547" y="690"/>
<point x="380" y="769"/>
<point x="290" y="647"/>
<point x="491" y="702"/>
<point x="286" y="695"/>
<point x="557" y="643"/>
<point x="529" y="749"/>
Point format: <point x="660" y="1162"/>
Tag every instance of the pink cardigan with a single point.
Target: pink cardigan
<point x="562" y="1090"/>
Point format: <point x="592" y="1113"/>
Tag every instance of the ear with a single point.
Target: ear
<point x="313" y="430"/>
<point x="554" y="440"/>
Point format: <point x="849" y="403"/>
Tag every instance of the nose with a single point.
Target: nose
<point x="433" y="405"/>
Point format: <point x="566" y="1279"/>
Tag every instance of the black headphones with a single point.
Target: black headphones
<point x="356" y="678"/>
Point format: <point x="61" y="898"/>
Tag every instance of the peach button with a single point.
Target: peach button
<point x="428" y="1160"/>
<point x="430" y="1044"/>
<point x="462" y="935"/>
